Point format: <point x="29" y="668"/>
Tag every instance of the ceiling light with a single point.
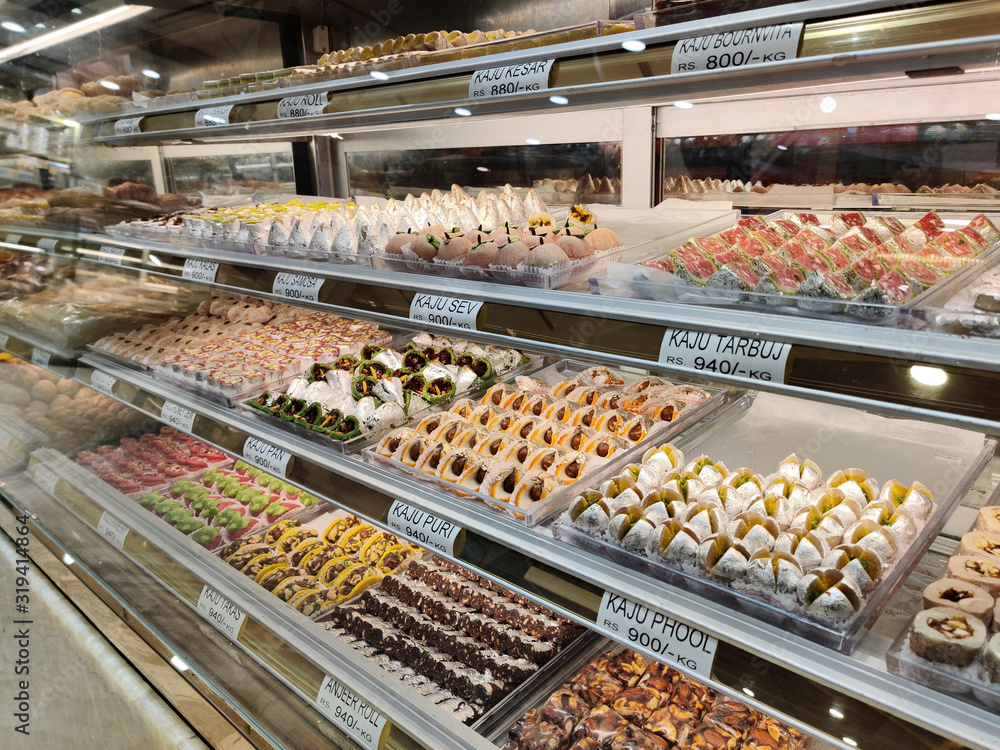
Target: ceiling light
<point x="828" y="104"/>
<point x="67" y="560"/>
<point x="556" y="99"/>
<point x="13" y="26"/>
<point x="683" y="105"/>
<point x="748" y="691"/>
<point x="836" y="712"/>
<point x="110" y="85"/>
<point x="379" y="75"/>
<point x="849" y="741"/>
<point x="532" y="141"/>
<point x="39" y="25"/>
<point x="992" y="116"/>
<point x="150" y="73"/>
<point x="933" y="376"/>
<point x="782" y="148"/>
<point x="74" y="30"/>
<point x="76" y="12"/>
<point x="482" y="169"/>
<point x="178" y="663"/>
<point x="634" y="45"/>
<point x="462" y="112"/>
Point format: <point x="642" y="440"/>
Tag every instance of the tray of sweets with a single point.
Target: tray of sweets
<point x="523" y="446"/>
<point x="873" y="267"/>
<point x="969" y="305"/>
<point x="777" y="508"/>
<point x="355" y="400"/>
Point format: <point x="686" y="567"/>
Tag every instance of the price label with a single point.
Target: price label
<point x="211" y="117"/>
<point x="40" y="357"/>
<point x="309" y="105"/>
<point x="177" y="416"/>
<point x="48" y="244"/>
<point x="445" y="311"/>
<point x="736" y="49"/>
<point x="102" y="382"/>
<point x="200" y="270"/>
<point x="265" y="456"/>
<point x="354" y="716"/>
<point x="113" y="530"/>
<point x="13" y="239"/>
<point x="658" y="634"/>
<point x="294" y="286"/>
<point x="511" y="79"/>
<point x="222" y="613"/>
<point x="739" y="356"/>
<point x="128" y="126"/>
<point x="111" y="254"/>
<point x="45" y="478"/>
<point x="425" y="529"/>
<point x="4" y="338"/>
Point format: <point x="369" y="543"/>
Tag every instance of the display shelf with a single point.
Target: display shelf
<point x="52" y="357"/>
<point x="595" y="72"/>
<point x="573" y="582"/>
<point x="824" y="360"/>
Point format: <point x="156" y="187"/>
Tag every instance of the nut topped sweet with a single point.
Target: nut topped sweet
<point x="947" y="636"/>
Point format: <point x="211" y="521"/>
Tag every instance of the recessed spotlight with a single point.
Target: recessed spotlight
<point x="836" y="712"/>
<point x="933" y="376"/>
<point x="110" y="85"/>
<point x="634" y="45"/>
<point x="462" y="112"/>
<point x="149" y="73"/>
<point x="532" y="141"/>
<point x="379" y="75"/>
<point x="849" y="741"/>
<point x="556" y="99"/>
<point x="482" y="169"/>
<point x="12" y="26"/>
<point x="748" y="691"/>
<point x="782" y="148"/>
<point x="683" y="105"/>
<point x="992" y="116"/>
<point x="178" y="663"/>
<point x="828" y="104"/>
<point x="67" y="560"/>
<point x="76" y="12"/>
<point x="39" y="25"/>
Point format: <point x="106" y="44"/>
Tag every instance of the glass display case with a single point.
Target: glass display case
<point x="548" y="381"/>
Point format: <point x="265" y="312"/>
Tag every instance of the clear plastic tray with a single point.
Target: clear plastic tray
<point x="629" y="280"/>
<point x="759" y="431"/>
<point x="559" y="499"/>
<point x="949" y="308"/>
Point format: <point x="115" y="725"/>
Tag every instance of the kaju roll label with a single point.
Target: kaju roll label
<point x="297" y="287"/>
<point x="200" y="270"/>
<point x="227" y="618"/>
<point x="355" y="717"/>
<point x="102" y="382"/>
<point x="737" y="356"/>
<point x="657" y="634"/>
<point x="308" y="105"/>
<point x="423" y="528"/>
<point x="111" y="254"/>
<point x="45" y="478"/>
<point x="266" y="457"/>
<point x="445" y="311"/>
<point x="177" y="416"/>
<point x="113" y="530"/>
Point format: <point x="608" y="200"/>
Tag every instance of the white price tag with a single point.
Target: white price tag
<point x="4" y="338"/>
<point x="128" y="126"/>
<point x="511" y="79"/>
<point x="739" y="356"/>
<point x="47" y="243"/>
<point x="309" y="105"/>
<point x="113" y="530"/>
<point x="13" y="239"/>
<point x="294" y="286"/>
<point x="354" y="716"/>
<point x="111" y="254"/>
<point x="102" y="382"/>
<point x="222" y="613"/>
<point x="40" y="357"/>
<point x="200" y="270"/>
<point x="445" y="311"/>
<point x="425" y="529"/>
<point x="211" y="117"/>
<point x="45" y="478"/>
<point x="265" y="456"/>
<point x="657" y="634"/>
<point x="736" y="49"/>
<point x="177" y="416"/>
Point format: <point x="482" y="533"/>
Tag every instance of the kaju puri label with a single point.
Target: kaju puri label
<point x="222" y="613"/>
<point x="266" y="457"/>
<point x="298" y="287"/>
<point x="355" y="717"/>
<point x="736" y="49"/>
<point x="128" y="126"/>
<point x="658" y="634"/>
<point x="102" y="382"/>
<point x="445" y="311"/>
<point x="510" y="79"/>
<point x="211" y="117"/>
<point x="200" y="270"/>
<point x="113" y="530"/>
<point x="177" y="416"/>
<point x="423" y="528"/>
<point x="738" y="356"/>
<point x="40" y="357"/>
<point x="111" y="254"/>
<point x="309" y="105"/>
<point x="45" y="478"/>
